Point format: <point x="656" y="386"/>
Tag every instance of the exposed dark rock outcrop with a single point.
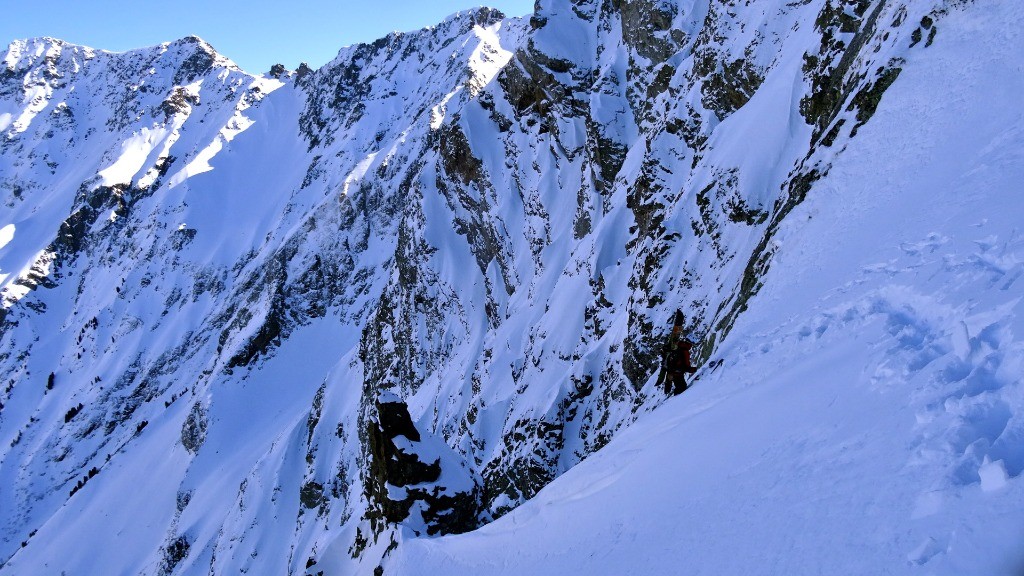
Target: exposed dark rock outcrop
<point x="414" y="480"/>
<point x="193" y="431"/>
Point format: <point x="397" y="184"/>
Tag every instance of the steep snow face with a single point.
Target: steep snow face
<point x="174" y="275"/>
<point x="868" y="416"/>
<point x="95" y="175"/>
<point x="210" y="280"/>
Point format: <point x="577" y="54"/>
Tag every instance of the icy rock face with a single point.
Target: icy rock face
<point x="415" y="480"/>
<point x="492" y="218"/>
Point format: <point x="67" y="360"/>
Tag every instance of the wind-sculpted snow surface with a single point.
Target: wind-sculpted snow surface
<point x="212" y="281"/>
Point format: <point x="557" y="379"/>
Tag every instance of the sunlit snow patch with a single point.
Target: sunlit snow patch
<point x="27" y="280"/>
<point x="486" y="60"/>
<point x="236" y="125"/>
<point x="993" y="475"/>
<point x="6" y="235"/>
<point x="357" y="173"/>
<point x="439" y="111"/>
<point x="134" y="152"/>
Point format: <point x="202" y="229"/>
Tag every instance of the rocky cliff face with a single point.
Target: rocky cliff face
<point x="405" y="482"/>
<point x="488" y="221"/>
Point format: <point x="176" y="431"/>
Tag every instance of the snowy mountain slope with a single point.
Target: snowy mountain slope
<point x="868" y="416"/>
<point x="489" y="219"/>
<point x="176" y="307"/>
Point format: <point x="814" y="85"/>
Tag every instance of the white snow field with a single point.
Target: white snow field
<point x="869" y="414"/>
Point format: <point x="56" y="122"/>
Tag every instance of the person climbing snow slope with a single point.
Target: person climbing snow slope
<point x="675" y="359"/>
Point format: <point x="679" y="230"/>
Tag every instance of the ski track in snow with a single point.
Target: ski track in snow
<point x="965" y="401"/>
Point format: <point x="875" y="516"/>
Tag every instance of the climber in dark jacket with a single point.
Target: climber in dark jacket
<point x="676" y="359"/>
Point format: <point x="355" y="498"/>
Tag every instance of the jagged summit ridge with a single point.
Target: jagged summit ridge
<point x="24" y="54"/>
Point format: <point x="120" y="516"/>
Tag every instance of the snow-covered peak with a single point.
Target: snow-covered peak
<point x="31" y="48"/>
<point x="191" y="42"/>
<point x="457" y="22"/>
<point x="453" y="26"/>
<point x="406" y="79"/>
<point x="192" y="52"/>
<point x="42" y="60"/>
<point x="194" y="57"/>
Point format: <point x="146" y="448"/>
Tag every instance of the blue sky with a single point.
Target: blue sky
<point x="254" y="33"/>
